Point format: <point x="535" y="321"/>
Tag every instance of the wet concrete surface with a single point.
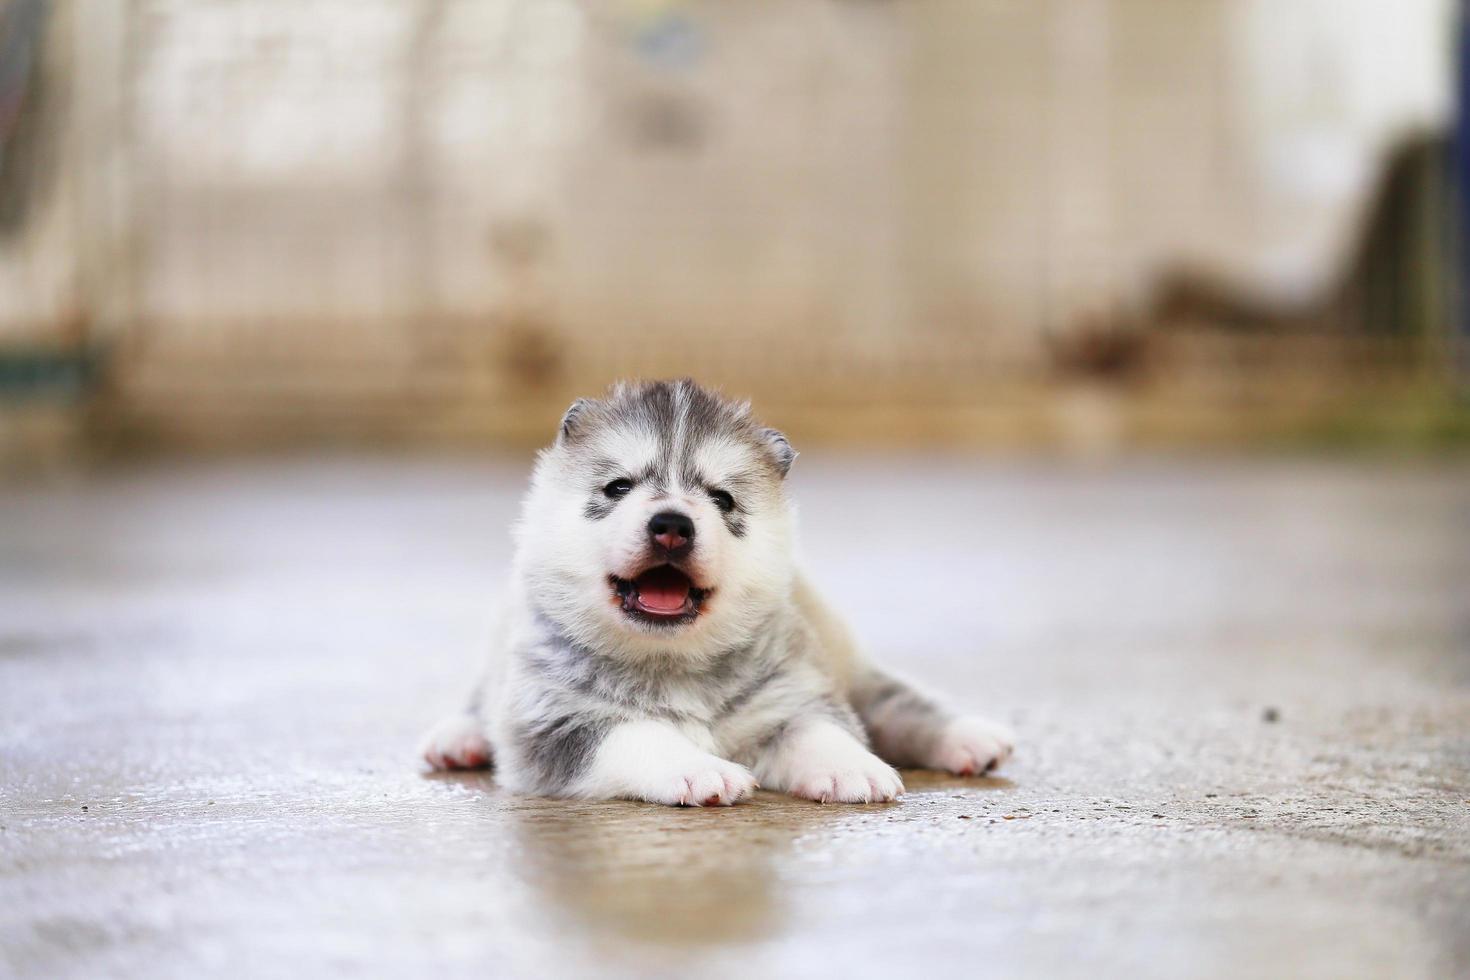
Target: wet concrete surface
<point x="1242" y="689"/>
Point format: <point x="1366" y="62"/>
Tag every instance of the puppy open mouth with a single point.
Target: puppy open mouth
<point x="662" y="595"/>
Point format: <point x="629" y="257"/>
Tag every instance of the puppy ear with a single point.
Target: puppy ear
<point x="569" y="420"/>
<point x="780" y="449"/>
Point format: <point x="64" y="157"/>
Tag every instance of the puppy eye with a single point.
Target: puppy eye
<point x="722" y="500"/>
<point x="618" y="488"/>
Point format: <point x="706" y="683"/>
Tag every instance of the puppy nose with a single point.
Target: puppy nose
<point x="671" y="531"/>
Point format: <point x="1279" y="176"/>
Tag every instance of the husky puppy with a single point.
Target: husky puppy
<point x="657" y="643"/>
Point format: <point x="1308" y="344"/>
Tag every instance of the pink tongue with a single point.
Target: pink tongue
<point x="663" y="591"/>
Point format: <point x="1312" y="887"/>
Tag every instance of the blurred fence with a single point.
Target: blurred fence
<point x="434" y="219"/>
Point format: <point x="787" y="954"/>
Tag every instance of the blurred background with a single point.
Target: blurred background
<point x="1074" y="224"/>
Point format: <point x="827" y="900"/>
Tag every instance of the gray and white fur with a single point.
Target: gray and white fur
<point x="657" y="642"/>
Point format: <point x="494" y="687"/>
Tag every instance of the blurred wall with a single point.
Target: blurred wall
<point x="39" y="214"/>
<point x="344" y="212"/>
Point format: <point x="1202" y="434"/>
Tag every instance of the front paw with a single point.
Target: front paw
<point x="869" y="780"/>
<point x="651" y="761"/>
<point x="705" y="781"/>
<point x="972" y="747"/>
<point x="823" y="762"/>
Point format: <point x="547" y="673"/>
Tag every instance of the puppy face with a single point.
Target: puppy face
<point x="658" y="521"/>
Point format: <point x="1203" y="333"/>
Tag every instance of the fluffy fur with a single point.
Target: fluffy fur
<point x="594" y="692"/>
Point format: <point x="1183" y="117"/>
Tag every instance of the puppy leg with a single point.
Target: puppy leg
<point x="818" y="759"/>
<point x="457" y="742"/>
<point x="653" y="761"/>
<point x="910" y="728"/>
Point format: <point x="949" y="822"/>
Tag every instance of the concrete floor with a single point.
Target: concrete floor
<point x="212" y="676"/>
